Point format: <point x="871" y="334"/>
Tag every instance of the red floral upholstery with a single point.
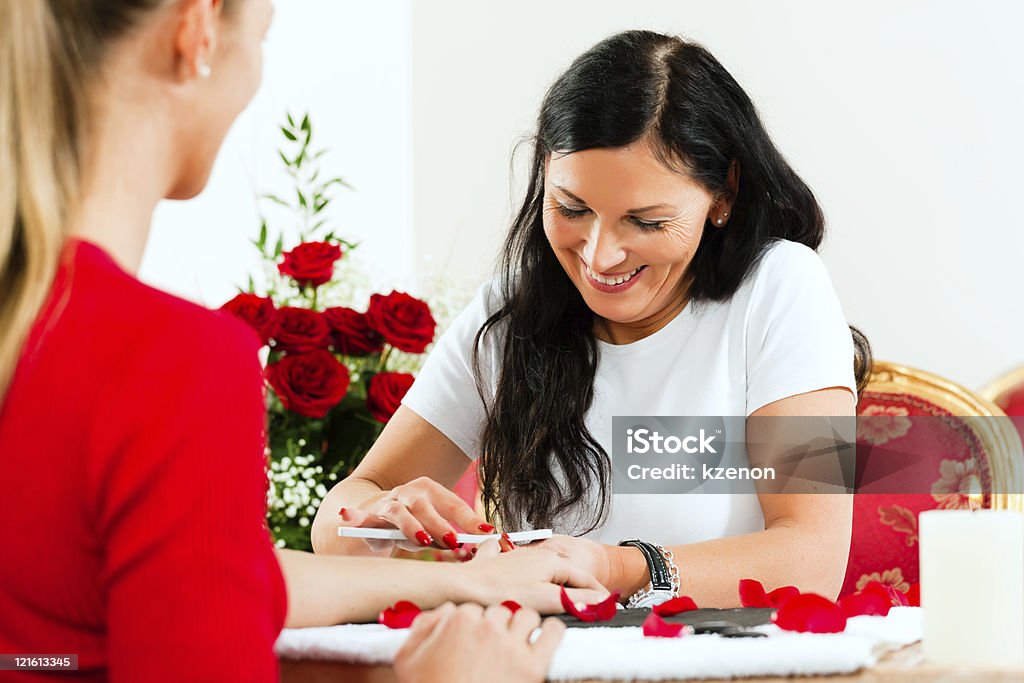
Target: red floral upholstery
<point x="968" y="445"/>
<point x="885" y="543"/>
<point x="1013" y="402"/>
<point x="1007" y="392"/>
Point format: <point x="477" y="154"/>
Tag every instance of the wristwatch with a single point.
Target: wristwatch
<point x="664" y="575"/>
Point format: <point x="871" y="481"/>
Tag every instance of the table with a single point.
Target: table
<point x="902" y="666"/>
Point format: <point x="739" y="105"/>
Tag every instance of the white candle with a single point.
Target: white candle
<point x="972" y="587"/>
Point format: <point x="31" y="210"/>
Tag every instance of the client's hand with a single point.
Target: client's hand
<point x="425" y="511"/>
<point x="533" y="579"/>
<point x="593" y="558"/>
<point x="468" y="643"/>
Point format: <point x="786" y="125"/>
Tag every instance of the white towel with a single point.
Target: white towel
<point x="624" y="653"/>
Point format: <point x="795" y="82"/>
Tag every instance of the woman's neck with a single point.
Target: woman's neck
<point x="125" y="172"/>
<point x="626" y="333"/>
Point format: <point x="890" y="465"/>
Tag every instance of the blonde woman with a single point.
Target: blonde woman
<point x="130" y="430"/>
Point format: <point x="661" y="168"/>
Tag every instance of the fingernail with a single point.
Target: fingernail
<point x="450" y="541"/>
<point x="341" y="513"/>
<point x="423" y="538"/>
<point x="504" y="537"/>
<point x="473" y="551"/>
<point x="486" y="528"/>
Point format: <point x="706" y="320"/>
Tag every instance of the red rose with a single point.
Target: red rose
<point x="385" y="393"/>
<point x="404" y="321"/>
<point x="311" y="263"/>
<point x="309" y="384"/>
<point x="300" y="330"/>
<point x="257" y="311"/>
<point x="351" y="333"/>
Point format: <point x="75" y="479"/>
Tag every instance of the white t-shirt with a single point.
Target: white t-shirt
<point x="782" y="333"/>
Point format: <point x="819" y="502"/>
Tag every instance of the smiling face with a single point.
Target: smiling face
<point x="625" y="228"/>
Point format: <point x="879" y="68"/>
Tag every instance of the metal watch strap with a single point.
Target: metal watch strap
<point x="661" y="578"/>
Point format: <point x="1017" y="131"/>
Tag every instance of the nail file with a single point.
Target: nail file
<point x="396" y="535"/>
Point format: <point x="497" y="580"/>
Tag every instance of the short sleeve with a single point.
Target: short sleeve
<point x="797" y="338"/>
<point x="445" y="391"/>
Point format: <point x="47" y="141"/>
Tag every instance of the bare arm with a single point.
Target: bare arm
<point x="325" y="590"/>
<point x="805" y="542"/>
<point x="409" y="448"/>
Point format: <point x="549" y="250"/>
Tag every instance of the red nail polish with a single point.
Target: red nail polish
<point x="473" y="551"/>
<point x="504" y="537"/>
<point x="423" y="538"/>
<point x="341" y="513"/>
<point x="450" y="541"/>
<point x="486" y="528"/>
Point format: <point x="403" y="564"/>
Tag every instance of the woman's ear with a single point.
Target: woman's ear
<point x="732" y="181"/>
<point x="195" y="37"/>
<point x="722" y="209"/>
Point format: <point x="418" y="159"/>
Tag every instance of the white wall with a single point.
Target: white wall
<point x="348" y="63"/>
<point x="903" y="117"/>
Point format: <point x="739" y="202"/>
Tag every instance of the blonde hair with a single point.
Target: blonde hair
<point x="49" y="50"/>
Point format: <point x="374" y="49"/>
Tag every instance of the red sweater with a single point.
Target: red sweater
<point x="132" y="488"/>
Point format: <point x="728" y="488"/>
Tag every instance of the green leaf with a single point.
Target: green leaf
<point x="320" y="204"/>
<point x="288" y="134"/>
<point x="305" y="123"/>
<point x="279" y="248"/>
<point x="252" y="286"/>
<point x="302" y="198"/>
<point x="277" y="200"/>
<point x="284" y="159"/>
<point x="291" y="122"/>
<point x="263" y="235"/>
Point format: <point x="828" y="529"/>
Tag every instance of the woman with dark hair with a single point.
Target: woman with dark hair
<point x="662" y="263"/>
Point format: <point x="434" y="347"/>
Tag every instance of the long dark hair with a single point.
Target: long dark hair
<point x="632" y="86"/>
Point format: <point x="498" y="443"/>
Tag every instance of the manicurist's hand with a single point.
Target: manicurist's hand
<point x="469" y="643"/>
<point x="425" y="511"/>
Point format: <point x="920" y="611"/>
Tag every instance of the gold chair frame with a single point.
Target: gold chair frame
<point x="998" y="436"/>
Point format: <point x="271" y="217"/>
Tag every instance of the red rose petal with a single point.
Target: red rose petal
<point x="810" y="613"/>
<point x="895" y="597"/>
<point x="752" y="594"/>
<point x="865" y="602"/>
<point x="600" y="611"/>
<point x="656" y="627"/>
<point x="512" y="606"/>
<point x="914" y="595"/>
<point x="781" y="594"/>
<point x="683" y="603"/>
<point x="399" y="615"/>
<point x="385" y="392"/>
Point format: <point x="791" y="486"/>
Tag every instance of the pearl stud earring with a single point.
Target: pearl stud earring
<point x="204" y="70"/>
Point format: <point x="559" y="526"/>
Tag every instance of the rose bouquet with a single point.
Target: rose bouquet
<point x="335" y="374"/>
